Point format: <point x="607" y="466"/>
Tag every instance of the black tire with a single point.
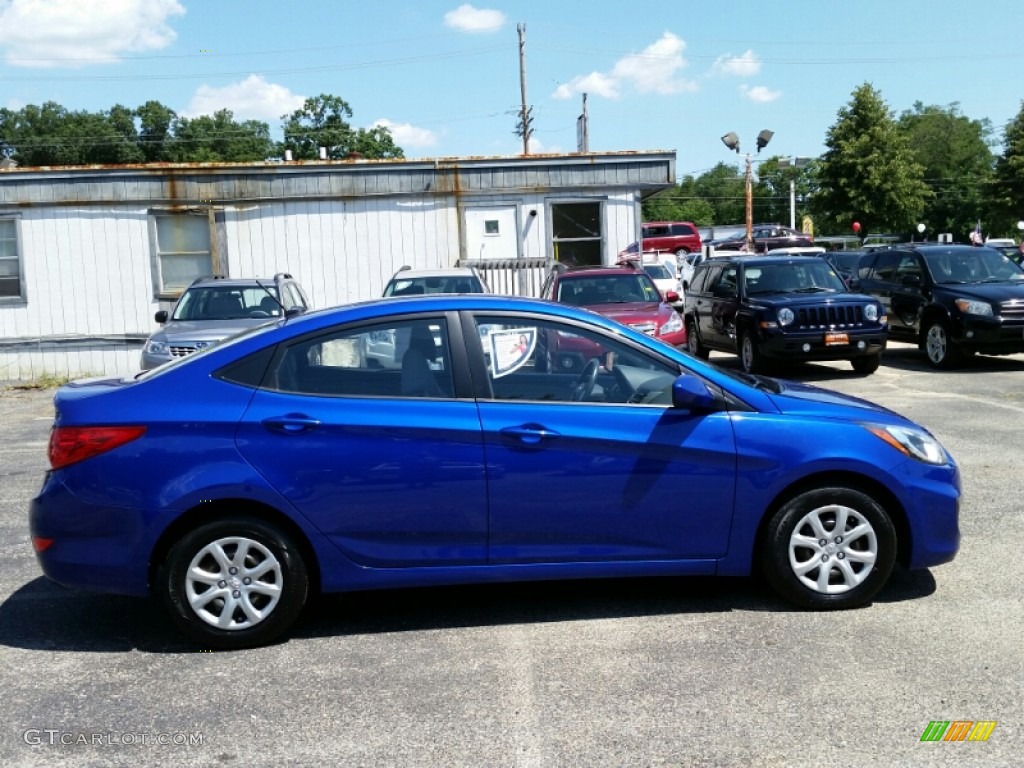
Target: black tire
<point x="268" y="602"/>
<point x="941" y="351"/>
<point x="751" y="358"/>
<point x="858" y="565"/>
<point x="693" y="345"/>
<point x="866" y="365"/>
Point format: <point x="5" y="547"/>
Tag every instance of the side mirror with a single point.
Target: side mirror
<point x="161" y="316"/>
<point x="692" y="394"/>
<point x="911" y="281"/>
<point x="671" y="296"/>
<point x="723" y="291"/>
<point x="296" y="310"/>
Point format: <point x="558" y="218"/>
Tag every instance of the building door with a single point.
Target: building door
<point x="492" y="232"/>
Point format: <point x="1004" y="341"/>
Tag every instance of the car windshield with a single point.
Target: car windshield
<point x="809" y="276"/>
<point x="228" y="302"/>
<point x="607" y="289"/>
<point x="972" y="265"/>
<point x="657" y="271"/>
<point x="412" y="286"/>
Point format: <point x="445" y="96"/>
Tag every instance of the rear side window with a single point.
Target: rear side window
<point x="682" y="229"/>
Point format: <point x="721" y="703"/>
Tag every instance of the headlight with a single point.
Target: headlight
<point x="156" y="347"/>
<point x="915" y="443"/>
<point x="972" y="307"/>
<point x="786" y="316"/>
<point x="673" y="324"/>
<point x="871" y="313"/>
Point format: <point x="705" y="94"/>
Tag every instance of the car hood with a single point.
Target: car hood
<point x="808" y="400"/>
<point x="784" y="299"/>
<point x="207" y="330"/>
<point x="997" y="292"/>
<point x="630" y="313"/>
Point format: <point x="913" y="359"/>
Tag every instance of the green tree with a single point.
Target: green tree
<point x="155" y="136"/>
<point x="771" y="190"/>
<point x="958" y="163"/>
<point x="724" y="189"/>
<point x="869" y="173"/>
<point x="680" y="203"/>
<point x="218" y="138"/>
<point x="54" y="136"/>
<point x="1006" y="195"/>
<point x="323" y="122"/>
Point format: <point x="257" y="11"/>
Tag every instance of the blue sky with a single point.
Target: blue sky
<point x="444" y="76"/>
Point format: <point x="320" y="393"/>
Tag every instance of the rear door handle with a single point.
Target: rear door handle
<point x="292" y="424"/>
<point x="529" y="434"/>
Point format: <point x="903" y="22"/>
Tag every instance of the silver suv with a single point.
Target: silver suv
<point x="213" y="308"/>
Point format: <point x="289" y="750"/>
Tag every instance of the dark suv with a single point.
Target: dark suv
<point x="950" y="300"/>
<point x="784" y="308"/>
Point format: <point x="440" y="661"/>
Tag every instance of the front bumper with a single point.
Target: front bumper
<point x="989" y="335"/>
<point x="813" y="345"/>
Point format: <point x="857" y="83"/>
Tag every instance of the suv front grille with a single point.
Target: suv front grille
<point x="831" y="316"/>
<point x="1014" y="308"/>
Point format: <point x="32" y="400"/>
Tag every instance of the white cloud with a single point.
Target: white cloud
<point x="76" y="33"/>
<point x="466" y="18"/>
<point x="745" y="65"/>
<point x="759" y="93"/>
<point x="407" y="135"/>
<point x="596" y="83"/>
<point x="654" y="70"/>
<point x="253" y="98"/>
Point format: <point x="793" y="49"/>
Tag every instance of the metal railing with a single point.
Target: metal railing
<point x="514" y="277"/>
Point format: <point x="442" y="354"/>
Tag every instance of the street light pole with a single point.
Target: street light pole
<point x="797" y="162"/>
<point x="732" y="141"/>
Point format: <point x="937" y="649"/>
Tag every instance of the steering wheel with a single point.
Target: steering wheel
<point x="584" y="385"/>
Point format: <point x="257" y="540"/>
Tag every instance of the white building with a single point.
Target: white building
<point x="89" y="254"/>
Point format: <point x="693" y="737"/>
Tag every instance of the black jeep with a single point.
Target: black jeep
<point x="793" y="308"/>
<point x="950" y="300"/>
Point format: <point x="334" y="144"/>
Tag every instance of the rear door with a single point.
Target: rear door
<point x="391" y="479"/>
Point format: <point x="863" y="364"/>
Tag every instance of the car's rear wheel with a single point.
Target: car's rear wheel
<point x="866" y="365"/>
<point x="942" y="352"/>
<point x="234" y="583"/>
<point x="693" y="345"/>
<point x="829" y="548"/>
<point x="750" y="354"/>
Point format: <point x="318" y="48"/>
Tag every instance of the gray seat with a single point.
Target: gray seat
<point x="417" y="378"/>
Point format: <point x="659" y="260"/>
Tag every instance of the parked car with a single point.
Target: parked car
<point x="408" y="281"/>
<point x="213" y="308"/>
<point x="678" y="237"/>
<point x="624" y="293"/>
<point x="235" y="484"/>
<point x="776" y="308"/>
<point x="665" y="274"/>
<point x="766" y="237"/>
<point x="950" y="300"/>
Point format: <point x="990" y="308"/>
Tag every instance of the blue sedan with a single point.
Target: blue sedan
<point x="433" y="440"/>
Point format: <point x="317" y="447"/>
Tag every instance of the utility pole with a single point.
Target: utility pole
<point x="524" y="115"/>
<point x="583" y="129"/>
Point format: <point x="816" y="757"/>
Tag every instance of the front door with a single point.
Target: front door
<point x="491" y="232"/>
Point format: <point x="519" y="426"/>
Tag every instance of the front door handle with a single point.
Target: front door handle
<point x="529" y="434"/>
<point x="292" y="424"/>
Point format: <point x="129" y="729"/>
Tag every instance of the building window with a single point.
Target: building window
<point x="183" y="252"/>
<point x="491" y="227"/>
<point x="10" y="261"/>
<point x="576" y="233"/>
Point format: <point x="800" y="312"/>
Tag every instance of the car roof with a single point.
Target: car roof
<point x="602" y="271"/>
<point x="404" y="274"/>
<point x="756" y="261"/>
<point x="235" y="281"/>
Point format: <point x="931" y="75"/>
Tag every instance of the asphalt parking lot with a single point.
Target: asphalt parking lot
<point x="654" y="672"/>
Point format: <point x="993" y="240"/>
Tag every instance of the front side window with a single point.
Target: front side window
<point x="549" y="361"/>
<point x="183" y="250"/>
<point x="10" y="261"/>
<point x="396" y="359"/>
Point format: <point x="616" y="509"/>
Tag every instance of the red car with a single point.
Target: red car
<point x="624" y="293"/>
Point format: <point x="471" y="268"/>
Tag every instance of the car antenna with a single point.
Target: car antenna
<point x="285" y="312"/>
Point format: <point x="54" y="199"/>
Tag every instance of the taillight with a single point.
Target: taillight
<point x="69" y="445"/>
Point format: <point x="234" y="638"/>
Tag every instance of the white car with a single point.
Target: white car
<point x="666" y="277"/>
<point x="408" y="282"/>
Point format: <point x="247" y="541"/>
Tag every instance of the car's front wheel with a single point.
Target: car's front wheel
<point x="750" y="354"/>
<point x="866" y="365"/>
<point x="234" y="583"/>
<point x="942" y="352"/>
<point x="693" y="345"/>
<point x="829" y="548"/>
